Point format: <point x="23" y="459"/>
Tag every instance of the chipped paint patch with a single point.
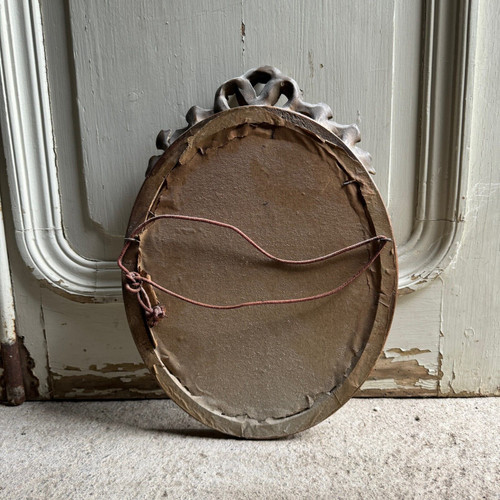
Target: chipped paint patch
<point x="118" y="367"/>
<point x="398" y="373"/>
<point x="406" y="352"/>
<point x="106" y="381"/>
<point x="92" y="385"/>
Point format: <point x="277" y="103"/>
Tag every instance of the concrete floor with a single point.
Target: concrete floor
<point x="370" y="449"/>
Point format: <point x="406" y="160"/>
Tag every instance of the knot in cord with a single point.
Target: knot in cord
<point x="134" y="284"/>
<point x="153" y="313"/>
<point x="157" y="313"/>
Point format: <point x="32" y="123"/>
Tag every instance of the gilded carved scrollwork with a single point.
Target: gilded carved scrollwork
<point x="245" y="92"/>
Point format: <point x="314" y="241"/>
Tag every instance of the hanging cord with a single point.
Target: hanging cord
<point x="155" y="313"/>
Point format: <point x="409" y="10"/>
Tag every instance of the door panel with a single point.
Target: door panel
<point x="99" y="79"/>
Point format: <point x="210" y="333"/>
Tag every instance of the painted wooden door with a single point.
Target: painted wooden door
<point x="87" y="85"/>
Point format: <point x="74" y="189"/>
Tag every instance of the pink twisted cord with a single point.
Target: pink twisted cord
<point x="155" y="313"/>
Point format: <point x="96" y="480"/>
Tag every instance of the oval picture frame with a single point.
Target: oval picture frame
<point x="284" y="179"/>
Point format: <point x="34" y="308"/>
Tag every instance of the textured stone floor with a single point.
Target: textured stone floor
<point x="370" y="449"/>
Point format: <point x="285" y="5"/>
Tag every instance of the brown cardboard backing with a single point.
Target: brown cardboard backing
<point x="263" y="371"/>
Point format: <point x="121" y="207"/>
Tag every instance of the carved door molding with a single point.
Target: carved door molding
<point x="86" y="86"/>
<point x="28" y="136"/>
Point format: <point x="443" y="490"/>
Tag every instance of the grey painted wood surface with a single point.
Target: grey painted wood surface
<point x="142" y="75"/>
<point x="120" y="71"/>
<point x="470" y="332"/>
<point x="151" y="77"/>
